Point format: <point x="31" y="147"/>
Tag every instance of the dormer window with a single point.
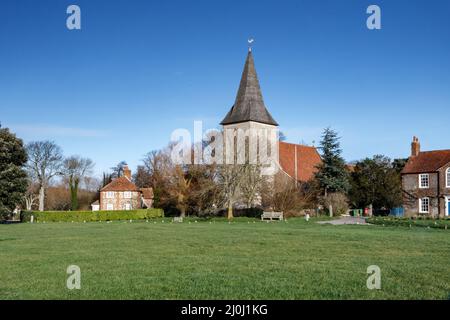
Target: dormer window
<point x="424" y="181"/>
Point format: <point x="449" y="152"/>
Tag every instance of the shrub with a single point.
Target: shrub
<point x="88" y="216"/>
<point x="338" y="201"/>
<point x="406" y="222"/>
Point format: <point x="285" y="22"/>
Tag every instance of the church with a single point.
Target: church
<point x="297" y="161"/>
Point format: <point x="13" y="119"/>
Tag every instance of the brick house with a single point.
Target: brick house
<point x="123" y="194"/>
<point x="426" y="182"/>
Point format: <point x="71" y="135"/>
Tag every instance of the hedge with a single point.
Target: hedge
<point x="413" y="222"/>
<point x="81" y="216"/>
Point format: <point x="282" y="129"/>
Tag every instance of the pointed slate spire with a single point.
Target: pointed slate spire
<point x="249" y="104"/>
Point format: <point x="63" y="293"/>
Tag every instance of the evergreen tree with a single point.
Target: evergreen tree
<point x="376" y="182"/>
<point x="332" y="174"/>
<point x="13" y="178"/>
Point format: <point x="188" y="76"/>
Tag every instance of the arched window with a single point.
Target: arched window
<point x="447" y="178"/>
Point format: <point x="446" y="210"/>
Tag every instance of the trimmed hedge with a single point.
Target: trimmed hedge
<point x="88" y="216"/>
<point x="413" y="222"/>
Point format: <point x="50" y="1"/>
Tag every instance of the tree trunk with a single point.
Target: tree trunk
<point x="330" y="210"/>
<point x="41" y="197"/>
<point x="183" y="213"/>
<point x="230" y="211"/>
<point x="74" y="195"/>
<point x="28" y="203"/>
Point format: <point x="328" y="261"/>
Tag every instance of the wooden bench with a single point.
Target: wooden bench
<point x="272" y="215"/>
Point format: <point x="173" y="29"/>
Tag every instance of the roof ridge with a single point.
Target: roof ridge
<point x="439" y="150"/>
<point x="299" y="144"/>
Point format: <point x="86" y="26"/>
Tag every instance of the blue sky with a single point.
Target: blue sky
<point x="140" y="69"/>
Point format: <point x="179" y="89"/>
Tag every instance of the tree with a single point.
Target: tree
<point x="332" y="174"/>
<point x="376" y="182"/>
<point x="44" y="162"/>
<point x="180" y="183"/>
<point x="283" y="193"/>
<point x="230" y="178"/>
<point x="75" y="168"/>
<point x="399" y="164"/>
<point x="142" y="178"/>
<point x="107" y="178"/>
<point x="251" y="184"/>
<point x="117" y="171"/>
<point x="13" y="178"/>
<point x="31" y="195"/>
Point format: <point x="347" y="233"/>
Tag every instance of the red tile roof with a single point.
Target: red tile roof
<point x="120" y="184"/>
<point x="428" y="161"/>
<point x="307" y="160"/>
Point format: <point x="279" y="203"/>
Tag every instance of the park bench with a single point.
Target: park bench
<point x="272" y="215"/>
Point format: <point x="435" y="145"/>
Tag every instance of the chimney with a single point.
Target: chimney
<point x="415" y="147"/>
<point x="127" y="172"/>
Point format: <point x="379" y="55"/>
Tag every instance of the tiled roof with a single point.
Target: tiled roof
<point x="147" y="193"/>
<point x="120" y="184"/>
<point x="249" y="104"/>
<point x="428" y="161"/>
<point x="307" y="160"/>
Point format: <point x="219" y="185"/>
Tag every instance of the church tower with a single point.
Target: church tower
<point x="249" y="114"/>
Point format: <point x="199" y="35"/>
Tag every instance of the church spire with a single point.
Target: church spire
<point x="249" y="103"/>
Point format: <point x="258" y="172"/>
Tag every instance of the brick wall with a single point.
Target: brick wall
<point x="412" y="193"/>
<point x="119" y="201"/>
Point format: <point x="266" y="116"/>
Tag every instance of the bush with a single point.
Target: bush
<point x="413" y="222"/>
<point x="88" y="216"/>
<point x="339" y="203"/>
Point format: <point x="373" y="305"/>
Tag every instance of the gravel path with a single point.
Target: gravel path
<point x="346" y="220"/>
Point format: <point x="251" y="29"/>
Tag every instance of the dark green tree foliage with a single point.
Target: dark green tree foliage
<point x="332" y="175"/>
<point x="75" y="168"/>
<point x="376" y="181"/>
<point x="13" y="178"/>
<point x="399" y="164"/>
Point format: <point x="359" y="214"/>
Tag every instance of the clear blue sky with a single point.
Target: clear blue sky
<point x="140" y="69"/>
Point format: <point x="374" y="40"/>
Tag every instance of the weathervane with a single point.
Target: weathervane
<point x="250" y="43"/>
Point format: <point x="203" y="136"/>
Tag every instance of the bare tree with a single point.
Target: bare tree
<point x="75" y="168"/>
<point x="44" y="162"/>
<point x="91" y="184"/>
<point x="251" y="184"/>
<point x="283" y="193"/>
<point x="229" y="180"/>
<point x="31" y="195"/>
<point x="180" y="184"/>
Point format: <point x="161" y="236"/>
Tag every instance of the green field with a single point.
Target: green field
<point x="218" y="260"/>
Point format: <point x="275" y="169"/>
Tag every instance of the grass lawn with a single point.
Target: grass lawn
<point x="242" y="260"/>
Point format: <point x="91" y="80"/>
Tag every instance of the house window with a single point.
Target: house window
<point x="109" y="206"/>
<point x="110" y="195"/>
<point x="424" y="180"/>
<point x="447" y="178"/>
<point x="127" y="206"/>
<point x="127" y="195"/>
<point x="424" y="205"/>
